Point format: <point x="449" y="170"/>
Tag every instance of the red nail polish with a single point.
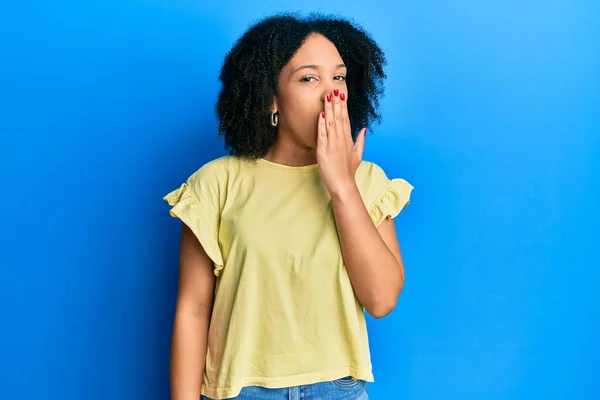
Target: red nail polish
<point x="323" y="114"/>
<point x="365" y="133"/>
<point x="336" y="92"/>
<point x="329" y="98"/>
<point x="342" y="96"/>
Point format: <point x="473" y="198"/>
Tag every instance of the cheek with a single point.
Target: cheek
<point x="307" y="106"/>
<point x="344" y="89"/>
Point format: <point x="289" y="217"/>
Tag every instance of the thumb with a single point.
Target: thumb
<point x="359" y="145"/>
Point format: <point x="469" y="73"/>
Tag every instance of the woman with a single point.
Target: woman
<point x="287" y="240"/>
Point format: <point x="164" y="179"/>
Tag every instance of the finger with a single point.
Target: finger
<point x="322" y="131"/>
<point x="359" y="146"/>
<point x="346" y="120"/>
<point x="337" y="116"/>
<point x="329" y="120"/>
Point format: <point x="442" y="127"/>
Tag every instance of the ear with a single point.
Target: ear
<point x="274" y="106"/>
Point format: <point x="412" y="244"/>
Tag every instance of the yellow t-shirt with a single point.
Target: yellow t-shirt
<point x="285" y="313"/>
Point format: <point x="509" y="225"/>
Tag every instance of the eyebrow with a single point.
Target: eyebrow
<point x="312" y="66"/>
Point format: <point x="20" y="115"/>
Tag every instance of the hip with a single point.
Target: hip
<point x="346" y="388"/>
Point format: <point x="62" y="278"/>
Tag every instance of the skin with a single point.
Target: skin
<point x="192" y="317"/>
<point x="371" y="254"/>
<point x="313" y="83"/>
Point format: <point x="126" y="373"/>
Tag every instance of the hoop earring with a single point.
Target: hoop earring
<point x="274" y="119"/>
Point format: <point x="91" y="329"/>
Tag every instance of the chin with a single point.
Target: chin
<point x="310" y="142"/>
<point x="312" y="145"/>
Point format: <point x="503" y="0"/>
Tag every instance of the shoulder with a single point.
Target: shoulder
<point x="208" y="184"/>
<point x="369" y="169"/>
<point x="210" y="180"/>
<point x="214" y="168"/>
<point x="217" y="171"/>
<point x="373" y="182"/>
<point x="370" y="177"/>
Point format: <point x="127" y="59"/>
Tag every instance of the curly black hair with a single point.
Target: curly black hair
<point x="251" y="68"/>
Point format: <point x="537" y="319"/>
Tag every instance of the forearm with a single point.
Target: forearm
<point x="376" y="275"/>
<point x="188" y="354"/>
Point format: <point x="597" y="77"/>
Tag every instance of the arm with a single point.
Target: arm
<point x="192" y="317"/>
<point x="372" y="255"/>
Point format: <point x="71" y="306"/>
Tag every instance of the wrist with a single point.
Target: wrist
<point x="343" y="190"/>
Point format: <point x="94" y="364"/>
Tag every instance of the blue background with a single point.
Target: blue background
<point x="492" y="112"/>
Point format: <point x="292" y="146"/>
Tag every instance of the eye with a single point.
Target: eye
<point x="343" y="78"/>
<point x="307" y="79"/>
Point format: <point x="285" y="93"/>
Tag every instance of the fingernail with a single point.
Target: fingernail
<point x="322" y="114"/>
<point x="329" y="98"/>
<point x="335" y="92"/>
<point x="365" y="133"/>
<point x="342" y="96"/>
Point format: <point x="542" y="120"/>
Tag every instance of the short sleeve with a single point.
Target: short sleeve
<point x="389" y="197"/>
<point x="200" y="212"/>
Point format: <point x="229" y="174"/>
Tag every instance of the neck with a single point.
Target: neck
<point x="291" y="154"/>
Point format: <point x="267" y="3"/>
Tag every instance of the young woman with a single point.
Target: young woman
<point x="287" y="240"/>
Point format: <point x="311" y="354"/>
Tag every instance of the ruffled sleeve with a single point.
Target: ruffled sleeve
<point x="390" y="201"/>
<point x="383" y="197"/>
<point x="203" y="220"/>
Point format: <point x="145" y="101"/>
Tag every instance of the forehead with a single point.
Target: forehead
<point x="316" y="49"/>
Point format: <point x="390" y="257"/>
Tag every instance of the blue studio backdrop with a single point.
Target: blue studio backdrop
<point x="492" y="112"/>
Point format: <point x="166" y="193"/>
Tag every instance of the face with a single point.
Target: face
<point x="311" y="74"/>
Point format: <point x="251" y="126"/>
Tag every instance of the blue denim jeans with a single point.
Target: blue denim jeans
<point x="339" y="389"/>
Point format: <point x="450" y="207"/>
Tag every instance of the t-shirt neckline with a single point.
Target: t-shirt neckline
<point x="288" y="168"/>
